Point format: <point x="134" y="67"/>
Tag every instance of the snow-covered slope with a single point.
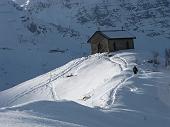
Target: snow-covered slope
<point x="23" y="54"/>
<point x="37" y="36"/>
<point x="33" y="32"/>
<point x="71" y="80"/>
<point x="104" y="84"/>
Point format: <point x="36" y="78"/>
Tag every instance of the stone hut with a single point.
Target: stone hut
<point x="110" y="41"/>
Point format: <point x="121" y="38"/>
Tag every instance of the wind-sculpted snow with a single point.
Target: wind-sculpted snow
<point x="56" y="83"/>
<point x="36" y="31"/>
<point x="100" y="90"/>
<point x="37" y="36"/>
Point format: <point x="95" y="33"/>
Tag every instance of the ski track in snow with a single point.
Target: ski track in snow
<point x="117" y="80"/>
<point x="110" y="92"/>
<point x="51" y="78"/>
<point x="113" y="91"/>
<point x="48" y="83"/>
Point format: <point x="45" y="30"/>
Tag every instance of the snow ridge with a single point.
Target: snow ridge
<point x="87" y="90"/>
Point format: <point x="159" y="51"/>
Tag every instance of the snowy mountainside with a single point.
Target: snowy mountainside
<point x="104" y="84"/>
<point x="23" y="54"/>
<point x="149" y="17"/>
<point x="39" y="30"/>
<point x="100" y="90"/>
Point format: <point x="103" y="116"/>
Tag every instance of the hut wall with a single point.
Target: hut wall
<point x="131" y="44"/>
<point x="99" y="44"/>
<point x="100" y="47"/>
<point x="120" y="44"/>
<point x="96" y="38"/>
<point x="104" y="45"/>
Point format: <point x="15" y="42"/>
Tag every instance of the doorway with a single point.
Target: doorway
<point x="114" y="46"/>
<point x="99" y="47"/>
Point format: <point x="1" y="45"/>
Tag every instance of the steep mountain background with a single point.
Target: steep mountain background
<point x="39" y="35"/>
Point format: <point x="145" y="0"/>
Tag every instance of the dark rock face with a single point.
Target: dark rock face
<point x="150" y="17"/>
<point x="32" y="27"/>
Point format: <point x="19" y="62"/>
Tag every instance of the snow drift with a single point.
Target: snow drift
<point x="99" y="90"/>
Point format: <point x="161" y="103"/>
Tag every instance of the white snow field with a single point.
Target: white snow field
<point x="37" y="36"/>
<point x="95" y="91"/>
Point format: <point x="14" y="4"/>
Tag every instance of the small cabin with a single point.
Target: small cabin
<point x="110" y="41"/>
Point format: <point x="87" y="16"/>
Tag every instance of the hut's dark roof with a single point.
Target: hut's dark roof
<point x="115" y="34"/>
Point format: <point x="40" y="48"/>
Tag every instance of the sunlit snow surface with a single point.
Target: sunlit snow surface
<point x="95" y="91"/>
<point x="66" y="26"/>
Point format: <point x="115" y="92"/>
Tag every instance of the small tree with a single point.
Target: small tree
<point x="167" y="57"/>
